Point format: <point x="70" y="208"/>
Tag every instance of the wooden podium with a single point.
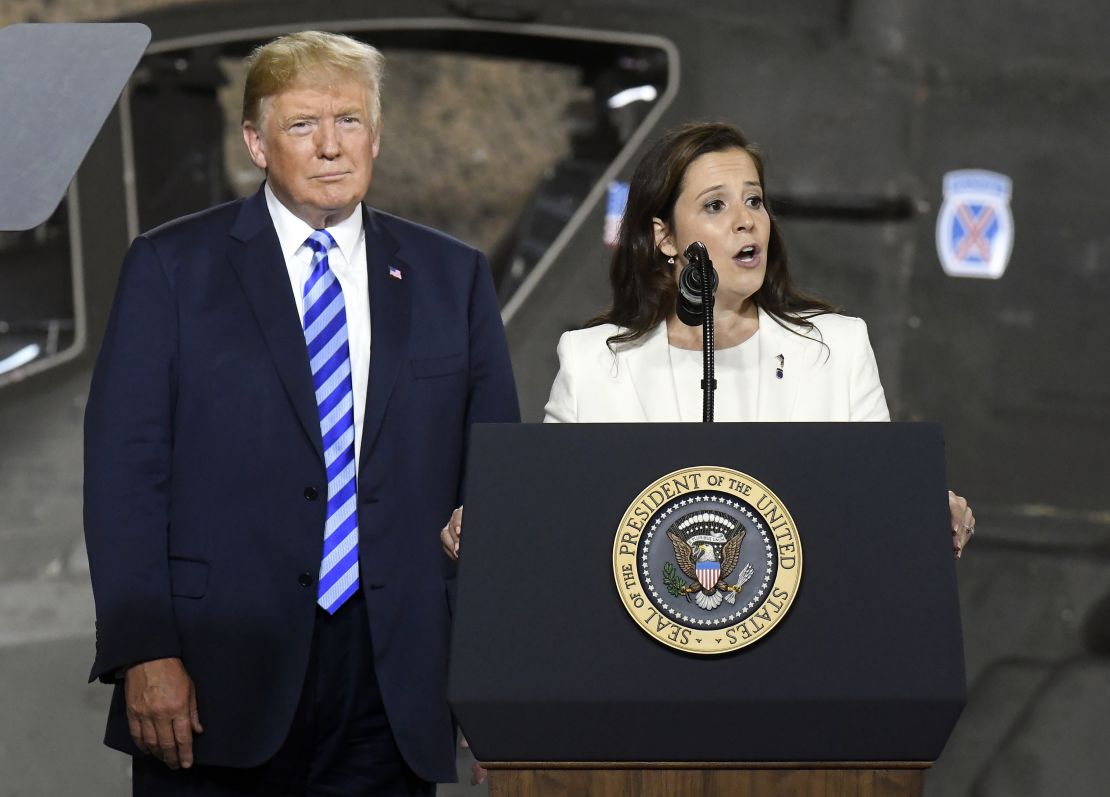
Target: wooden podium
<point x="619" y="779"/>
<point x="560" y="691"/>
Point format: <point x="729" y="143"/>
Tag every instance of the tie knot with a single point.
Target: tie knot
<point x="320" y="241"/>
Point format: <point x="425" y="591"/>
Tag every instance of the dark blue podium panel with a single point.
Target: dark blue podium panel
<point x="547" y="664"/>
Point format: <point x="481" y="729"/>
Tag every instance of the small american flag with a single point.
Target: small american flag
<point x="395" y="273"/>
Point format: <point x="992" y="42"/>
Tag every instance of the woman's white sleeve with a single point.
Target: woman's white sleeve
<point x="868" y="401"/>
<point x="562" y="407"/>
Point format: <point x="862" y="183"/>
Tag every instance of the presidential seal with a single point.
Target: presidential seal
<point x="707" y="560"/>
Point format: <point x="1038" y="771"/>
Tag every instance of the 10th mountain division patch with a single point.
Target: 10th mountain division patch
<point x="707" y="560"/>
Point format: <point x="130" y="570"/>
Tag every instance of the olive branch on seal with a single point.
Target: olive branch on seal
<point x="674" y="582"/>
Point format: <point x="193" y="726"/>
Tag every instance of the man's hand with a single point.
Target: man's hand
<point x="451" y="534"/>
<point x="162" y="711"/>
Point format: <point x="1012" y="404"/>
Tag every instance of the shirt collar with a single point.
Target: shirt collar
<point x="292" y="231"/>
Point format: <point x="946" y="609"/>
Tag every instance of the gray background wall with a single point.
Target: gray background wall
<point x="860" y="99"/>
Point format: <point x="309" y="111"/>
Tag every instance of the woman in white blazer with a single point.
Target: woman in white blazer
<point x="781" y="355"/>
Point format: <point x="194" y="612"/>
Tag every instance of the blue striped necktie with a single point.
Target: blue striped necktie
<point x="325" y="332"/>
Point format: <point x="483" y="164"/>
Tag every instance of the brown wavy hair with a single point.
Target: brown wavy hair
<point x="642" y="279"/>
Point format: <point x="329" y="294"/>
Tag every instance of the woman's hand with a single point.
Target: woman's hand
<point x="963" y="523"/>
<point x="452" y="533"/>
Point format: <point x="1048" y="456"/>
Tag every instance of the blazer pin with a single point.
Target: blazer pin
<point x="395" y="273"/>
<point x="778" y="371"/>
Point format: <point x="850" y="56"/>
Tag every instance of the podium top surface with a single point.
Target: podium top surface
<point x="58" y="83"/>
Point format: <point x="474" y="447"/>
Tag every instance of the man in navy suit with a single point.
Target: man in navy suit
<point x="275" y="435"/>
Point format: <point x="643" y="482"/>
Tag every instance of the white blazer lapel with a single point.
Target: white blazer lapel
<point x="777" y="396"/>
<point x="649" y="366"/>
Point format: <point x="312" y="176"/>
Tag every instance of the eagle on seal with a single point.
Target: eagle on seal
<point x="695" y="539"/>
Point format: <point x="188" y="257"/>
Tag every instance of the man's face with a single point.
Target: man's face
<point x="316" y="143"/>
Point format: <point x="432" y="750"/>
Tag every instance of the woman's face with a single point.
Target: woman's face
<point x="721" y="205"/>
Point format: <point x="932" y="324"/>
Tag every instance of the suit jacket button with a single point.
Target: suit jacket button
<point x="305" y="579"/>
<point x="310" y="493"/>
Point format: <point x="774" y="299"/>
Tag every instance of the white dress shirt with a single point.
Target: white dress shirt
<point x="347" y="260"/>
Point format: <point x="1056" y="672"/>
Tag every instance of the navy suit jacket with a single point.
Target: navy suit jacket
<point x="205" y="485"/>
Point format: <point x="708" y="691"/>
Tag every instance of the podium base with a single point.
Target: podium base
<point x="718" y="779"/>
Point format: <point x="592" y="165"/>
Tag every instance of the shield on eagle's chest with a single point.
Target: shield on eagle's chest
<point x="708" y="573"/>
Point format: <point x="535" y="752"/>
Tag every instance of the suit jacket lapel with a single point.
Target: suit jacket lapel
<point x="649" y="366"/>
<point x="390" y="312"/>
<point x="260" y="267"/>
<point x="777" y="396"/>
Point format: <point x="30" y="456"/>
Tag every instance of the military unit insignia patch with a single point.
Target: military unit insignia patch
<point x="975" y="228"/>
<point x="707" y="560"/>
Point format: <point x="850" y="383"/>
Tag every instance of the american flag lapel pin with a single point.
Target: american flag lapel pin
<point x="395" y="273"/>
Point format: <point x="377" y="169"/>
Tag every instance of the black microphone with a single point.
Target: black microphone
<point x="689" y="284"/>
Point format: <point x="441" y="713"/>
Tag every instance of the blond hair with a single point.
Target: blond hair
<point x="297" y="57"/>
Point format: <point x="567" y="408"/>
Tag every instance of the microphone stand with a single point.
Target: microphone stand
<point x="709" y="380"/>
<point x="696" y="285"/>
